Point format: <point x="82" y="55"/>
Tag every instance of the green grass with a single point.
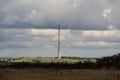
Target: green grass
<point x="51" y="74"/>
<point x="48" y="60"/>
<point x="4" y="63"/>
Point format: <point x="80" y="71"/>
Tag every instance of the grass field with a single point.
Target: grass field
<point x="51" y="74"/>
<point x="48" y="60"/>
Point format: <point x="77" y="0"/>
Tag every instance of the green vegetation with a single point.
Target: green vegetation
<point x="48" y="60"/>
<point x="109" y="62"/>
<point x="4" y="63"/>
<point x="51" y="74"/>
<point x="106" y="68"/>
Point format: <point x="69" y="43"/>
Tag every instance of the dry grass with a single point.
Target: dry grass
<point x="45" y="74"/>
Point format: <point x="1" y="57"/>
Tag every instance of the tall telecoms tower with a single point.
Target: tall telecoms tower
<point x="59" y="51"/>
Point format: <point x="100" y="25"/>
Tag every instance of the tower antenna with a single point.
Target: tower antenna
<point x="59" y="51"/>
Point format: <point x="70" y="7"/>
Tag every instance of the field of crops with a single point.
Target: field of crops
<point x="52" y="74"/>
<point x="48" y="60"/>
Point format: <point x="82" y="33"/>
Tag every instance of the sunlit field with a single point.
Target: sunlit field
<point x="48" y="60"/>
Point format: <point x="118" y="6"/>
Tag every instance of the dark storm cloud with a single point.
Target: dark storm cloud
<point x="72" y="14"/>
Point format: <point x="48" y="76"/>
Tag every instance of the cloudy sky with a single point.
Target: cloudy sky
<point x="90" y="28"/>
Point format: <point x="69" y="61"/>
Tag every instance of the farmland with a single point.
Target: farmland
<point x="48" y="60"/>
<point x="52" y="74"/>
<point x="37" y="68"/>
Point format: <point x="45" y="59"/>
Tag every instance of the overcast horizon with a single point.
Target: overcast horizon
<point x="89" y="28"/>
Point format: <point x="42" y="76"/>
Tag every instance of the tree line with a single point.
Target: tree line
<point x="109" y="62"/>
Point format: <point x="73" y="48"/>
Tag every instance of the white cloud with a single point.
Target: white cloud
<point x="48" y="32"/>
<point x="107" y="13"/>
<point x="108" y="33"/>
<point x="93" y="44"/>
<point x="25" y="40"/>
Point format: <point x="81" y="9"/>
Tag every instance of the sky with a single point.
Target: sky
<point x="89" y="28"/>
